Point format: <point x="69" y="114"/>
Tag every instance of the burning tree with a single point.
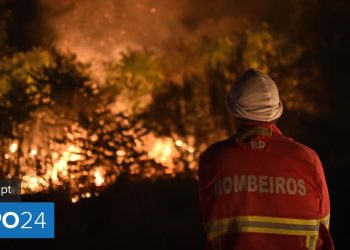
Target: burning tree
<point x="134" y="78"/>
<point x="48" y="138"/>
<point x="20" y="97"/>
<point x="51" y="141"/>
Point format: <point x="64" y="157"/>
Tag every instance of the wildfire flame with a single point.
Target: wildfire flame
<point x="161" y="151"/>
<point x="66" y="159"/>
<point x="98" y="178"/>
<point x="13" y="147"/>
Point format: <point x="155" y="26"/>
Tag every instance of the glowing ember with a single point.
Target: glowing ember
<point x="98" y="178"/>
<point x="34" y="183"/>
<point x="13" y="147"/>
<point x="75" y="199"/>
<point x="169" y="171"/>
<point x="33" y="152"/>
<point x="61" y="165"/>
<point x="94" y="138"/>
<point x="190" y="149"/>
<point x="120" y="153"/>
<point x="161" y="151"/>
<point x="54" y="176"/>
<point x="178" y="143"/>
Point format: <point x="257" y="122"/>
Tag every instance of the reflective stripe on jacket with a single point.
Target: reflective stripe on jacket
<point x="262" y="190"/>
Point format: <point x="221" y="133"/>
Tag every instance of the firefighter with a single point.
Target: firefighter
<point x="260" y="189"/>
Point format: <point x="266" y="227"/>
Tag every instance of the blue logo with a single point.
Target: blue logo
<point x="27" y="220"/>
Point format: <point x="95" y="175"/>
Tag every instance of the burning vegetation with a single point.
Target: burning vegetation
<point x="59" y="130"/>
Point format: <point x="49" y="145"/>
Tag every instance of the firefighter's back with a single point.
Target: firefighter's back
<point x="261" y="190"/>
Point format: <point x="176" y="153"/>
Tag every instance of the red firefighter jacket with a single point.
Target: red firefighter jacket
<point x="263" y="190"/>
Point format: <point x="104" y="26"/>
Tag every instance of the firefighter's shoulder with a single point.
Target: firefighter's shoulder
<point x="208" y="157"/>
<point x="216" y="148"/>
<point x="300" y="150"/>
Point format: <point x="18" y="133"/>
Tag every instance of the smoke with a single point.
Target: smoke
<point x="100" y="30"/>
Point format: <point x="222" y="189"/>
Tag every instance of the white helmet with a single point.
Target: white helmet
<point x="255" y="97"/>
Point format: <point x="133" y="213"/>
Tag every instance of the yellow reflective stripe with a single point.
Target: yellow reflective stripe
<point x="308" y="241"/>
<point x="263" y="224"/>
<point x="311" y="242"/>
<point x="276" y="231"/>
<point x="277" y="219"/>
<point x="325" y="220"/>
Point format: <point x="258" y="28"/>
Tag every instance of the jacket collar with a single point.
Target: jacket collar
<point x="250" y="129"/>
